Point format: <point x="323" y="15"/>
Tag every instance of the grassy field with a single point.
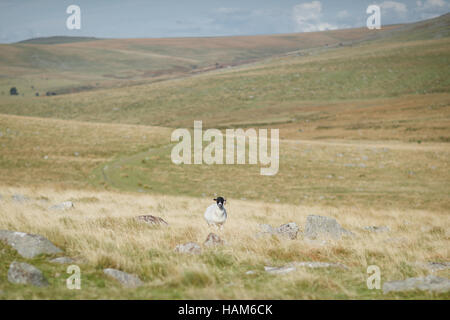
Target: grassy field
<point x="102" y="233"/>
<point x="364" y="128"/>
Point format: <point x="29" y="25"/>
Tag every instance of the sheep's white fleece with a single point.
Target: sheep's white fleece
<point x="215" y="216"/>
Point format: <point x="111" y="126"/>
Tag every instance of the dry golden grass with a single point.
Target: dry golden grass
<point x="101" y="232"/>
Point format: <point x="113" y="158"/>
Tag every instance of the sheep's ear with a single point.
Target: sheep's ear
<point x="215" y="199"/>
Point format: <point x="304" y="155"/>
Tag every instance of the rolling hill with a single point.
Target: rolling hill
<point x="364" y="120"/>
<point x="366" y="95"/>
<point x="71" y="64"/>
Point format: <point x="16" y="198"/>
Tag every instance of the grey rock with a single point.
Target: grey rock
<point x="213" y="240"/>
<point x="152" y="220"/>
<point x="190" y="248"/>
<point x="318" y="265"/>
<point x="292" y="266"/>
<point x="28" y="245"/>
<point x="324" y="227"/>
<point x="279" y="270"/>
<point x="435" y="266"/>
<point x="24" y="273"/>
<point x="428" y="283"/>
<point x="266" y="228"/>
<point x="439" y="266"/>
<point x="20" y="198"/>
<point x="63" y="260"/>
<point x="377" y="228"/>
<point x="127" y="280"/>
<point x="250" y="272"/>
<point x="66" y="205"/>
<point x="260" y="235"/>
<point x="288" y="230"/>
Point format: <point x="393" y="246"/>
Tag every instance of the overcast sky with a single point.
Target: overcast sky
<point x="24" y="19"/>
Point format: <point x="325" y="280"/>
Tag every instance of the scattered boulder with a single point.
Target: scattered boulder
<point x="63" y="260"/>
<point x="279" y="270"/>
<point x="266" y="228"/>
<point x="428" y="283"/>
<point x="288" y="230"/>
<point x="213" y="240"/>
<point x="319" y="226"/>
<point x="127" y="280"/>
<point x="28" y="245"/>
<point x="316" y="265"/>
<point x="24" y="273"/>
<point x="435" y="266"/>
<point x="66" y="205"/>
<point x="250" y="272"/>
<point x="152" y="220"/>
<point x="377" y="228"/>
<point x="190" y="248"/>
<point x="292" y="266"/>
<point x="20" y="198"/>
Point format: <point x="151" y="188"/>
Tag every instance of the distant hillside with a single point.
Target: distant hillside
<point x="435" y="28"/>
<point x="72" y="64"/>
<point x="58" y="40"/>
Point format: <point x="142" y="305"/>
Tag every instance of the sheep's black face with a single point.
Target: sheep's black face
<point x="220" y="201"/>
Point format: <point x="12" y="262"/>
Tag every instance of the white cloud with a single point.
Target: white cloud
<point x="431" y="4"/>
<point x="398" y="7"/>
<point x="308" y="17"/>
<point x="435" y="3"/>
<point x="431" y="8"/>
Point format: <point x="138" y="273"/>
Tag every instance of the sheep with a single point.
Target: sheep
<point x="215" y="214"/>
